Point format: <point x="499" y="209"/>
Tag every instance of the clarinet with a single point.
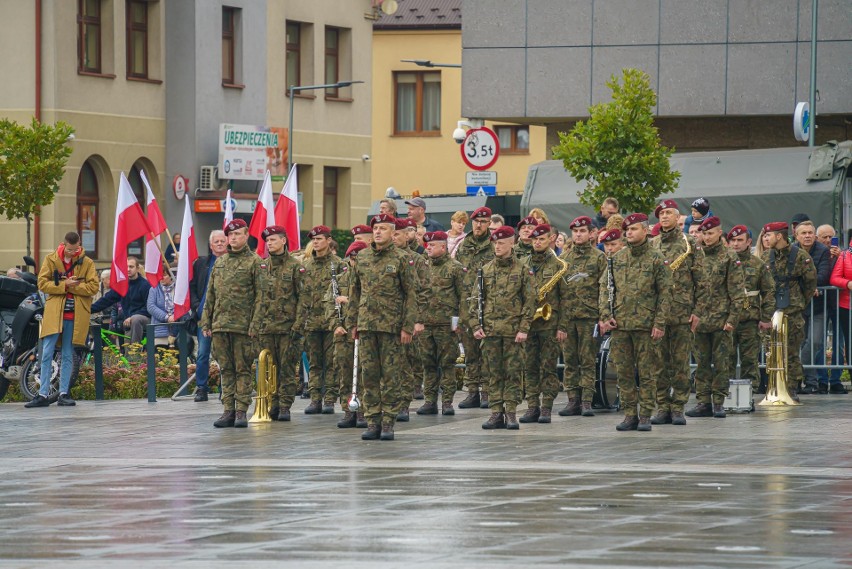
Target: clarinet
<point x="480" y="301"/>
<point x="335" y="291"/>
<point x="610" y="286"/>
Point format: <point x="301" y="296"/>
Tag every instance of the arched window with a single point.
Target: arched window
<point x="87" y="209"/>
<point x="137" y="247"/>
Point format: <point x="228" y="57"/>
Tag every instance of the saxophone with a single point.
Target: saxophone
<point x="681" y="258"/>
<point x="544" y="310"/>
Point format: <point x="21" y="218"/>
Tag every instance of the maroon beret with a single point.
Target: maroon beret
<point x="656" y="229"/>
<point x="273" y="230"/>
<point x="319" y="230"/>
<point x="736" y="231"/>
<point x="665" y="204"/>
<point x="361" y="230"/>
<point x="409" y="223"/>
<point x="383" y="218"/>
<point x="582" y="221"/>
<point x="543" y="229"/>
<point x="355" y="247"/>
<point x="235" y="224"/>
<point x="611" y="235"/>
<point x="503" y="232"/>
<point x="710" y="223"/>
<point x="528" y="220"/>
<point x="775" y="226"/>
<point x="400" y="223"/>
<point x="433" y="236"/>
<point x="632" y="219"/>
<point x="481" y="212"/>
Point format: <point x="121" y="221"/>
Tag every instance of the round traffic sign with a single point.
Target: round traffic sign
<point x="802" y="122"/>
<point x="480" y="148"/>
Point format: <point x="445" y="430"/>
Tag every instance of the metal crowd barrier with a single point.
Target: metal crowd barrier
<point x="151" y="349"/>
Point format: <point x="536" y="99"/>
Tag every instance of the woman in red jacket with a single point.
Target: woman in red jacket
<point x="841" y="277"/>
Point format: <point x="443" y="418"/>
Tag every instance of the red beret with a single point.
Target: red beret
<point x="355" y="247"/>
<point x="665" y="204"/>
<point x="433" y="236"/>
<point x="400" y="223"/>
<point x="319" y="230"/>
<point x="503" y="232"/>
<point x="611" y="235"/>
<point x="361" y="230"/>
<point x="273" y="230"/>
<point x="481" y="212"/>
<point x="383" y="218"/>
<point x="543" y="229"/>
<point x="234" y="225"/>
<point x="582" y="221"/>
<point x="409" y="223"/>
<point x="710" y="223"/>
<point x="528" y="220"/>
<point x="775" y="226"/>
<point x="656" y="229"/>
<point x="736" y="231"/>
<point x="632" y="219"/>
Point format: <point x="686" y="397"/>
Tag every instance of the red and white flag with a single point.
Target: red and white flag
<point x="187" y="257"/>
<point x="229" y="211"/>
<point x="157" y="225"/>
<point x="287" y="209"/>
<point x="130" y="225"/>
<point x="264" y="214"/>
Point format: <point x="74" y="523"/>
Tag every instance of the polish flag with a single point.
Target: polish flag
<point x="157" y="225"/>
<point x="188" y="255"/>
<point x="263" y="215"/>
<point x="130" y="225"/>
<point x="229" y="211"/>
<point x="287" y="209"/>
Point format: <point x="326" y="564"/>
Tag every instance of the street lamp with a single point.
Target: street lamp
<point x="428" y="63"/>
<point x="293" y="89"/>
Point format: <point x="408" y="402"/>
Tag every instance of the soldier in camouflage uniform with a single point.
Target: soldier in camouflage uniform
<point x="382" y="312"/>
<point x="722" y="291"/>
<point x="474" y="251"/>
<point x="227" y="318"/>
<point x="681" y="321"/>
<point x="545" y="336"/>
<point x="278" y="286"/>
<point x="637" y="317"/>
<point x="447" y="297"/>
<point x="509" y="307"/>
<point x="794" y="274"/>
<point x="362" y="233"/>
<point x="760" y="304"/>
<point x="612" y="242"/>
<point x="315" y="320"/>
<point x="580" y="347"/>
<point x="523" y="248"/>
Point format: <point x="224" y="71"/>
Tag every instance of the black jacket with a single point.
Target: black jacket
<point x="198" y="284"/>
<point x="135" y="302"/>
<point x="822" y="263"/>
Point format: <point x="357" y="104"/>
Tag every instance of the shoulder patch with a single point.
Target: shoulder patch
<point x="530" y="272"/>
<point x="301" y="269"/>
<point x="665" y="262"/>
<point x="464" y="269"/>
<point x="738" y="262"/>
<point x="344" y="268"/>
<point x="807" y="261"/>
<point x="411" y="262"/>
<point x="263" y="265"/>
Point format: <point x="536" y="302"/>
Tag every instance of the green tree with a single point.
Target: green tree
<point x="617" y="151"/>
<point x="32" y="161"/>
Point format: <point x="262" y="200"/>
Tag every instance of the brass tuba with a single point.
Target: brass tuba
<point x="267" y="384"/>
<point x="776" y="364"/>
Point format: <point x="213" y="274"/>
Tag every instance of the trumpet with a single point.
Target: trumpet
<point x="267" y="384"/>
<point x="776" y="364"/>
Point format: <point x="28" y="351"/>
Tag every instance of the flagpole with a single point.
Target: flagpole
<point x="162" y="255"/>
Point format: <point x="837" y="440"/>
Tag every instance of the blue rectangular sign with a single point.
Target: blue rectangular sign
<point x="487" y="190"/>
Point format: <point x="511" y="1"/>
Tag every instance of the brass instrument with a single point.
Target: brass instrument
<point x="675" y="265"/>
<point x="267" y="384"/>
<point x="776" y="364"/>
<point x="545" y="311"/>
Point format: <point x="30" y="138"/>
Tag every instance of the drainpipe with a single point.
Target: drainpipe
<point x="37" y="219"/>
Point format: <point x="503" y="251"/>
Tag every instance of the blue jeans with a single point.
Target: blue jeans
<point x="202" y="361"/>
<point x="836" y="353"/>
<point x="48" y="346"/>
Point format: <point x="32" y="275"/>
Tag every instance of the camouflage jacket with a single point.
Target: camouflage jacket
<point x="759" y="289"/>
<point x="584" y="292"/>
<point x="509" y="298"/>
<point x="383" y="292"/>
<point x="278" y="286"/>
<point x="801" y="281"/>
<point x="642" y="289"/>
<point x="544" y="267"/>
<point x="472" y="253"/>
<point x="686" y="280"/>
<point x="420" y="278"/>
<point x="230" y="300"/>
<point x="722" y="289"/>
<point x="343" y="282"/>
<point x="522" y="250"/>
<point x="447" y="293"/>
<point x="316" y="293"/>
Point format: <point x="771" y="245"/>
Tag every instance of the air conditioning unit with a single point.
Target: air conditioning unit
<point x="208" y="181"/>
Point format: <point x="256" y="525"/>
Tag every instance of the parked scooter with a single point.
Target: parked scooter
<point x="20" y="308"/>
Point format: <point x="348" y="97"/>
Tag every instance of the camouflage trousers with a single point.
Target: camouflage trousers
<point x="344" y="361"/>
<point x="713" y="356"/>
<point x="580" y="352"/>
<point x="235" y="354"/>
<point x="504" y="364"/>
<point x="673" y="383"/>
<point x="633" y="350"/>
<point x="381" y="356"/>
<point x="472" y="361"/>
<point x="795" y="337"/>
<point x="322" y="383"/>
<point x="541" y="381"/>
<point x="746" y="338"/>
<point x="415" y="371"/>
<point x="285" y="357"/>
<point x="440" y="348"/>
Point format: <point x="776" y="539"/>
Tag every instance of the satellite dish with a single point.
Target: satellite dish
<point x="390" y="7"/>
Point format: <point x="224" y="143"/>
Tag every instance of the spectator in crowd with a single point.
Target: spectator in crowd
<point x="134" y="304"/>
<point x="561" y="240"/>
<point x="103" y="285"/>
<point x="695" y="234"/>
<point x="700" y="212"/>
<point x="417" y="212"/>
<point x="387" y="206"/>
<point x="797" y="219"/>
<point x="609" y="207"/>
<point x="813" y="351"/>
<point x="497" y="221"/>
<point x="841" y="277"/>
<point x="170" y="251"/>
<point x="681" y="221"/>
<point x="825" y="234"/>
<point x="161" y="307"/>
<point x="540" y="217"/>
<point x="456" y="233"/>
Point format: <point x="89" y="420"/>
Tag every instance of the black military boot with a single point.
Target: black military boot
<point x="313" y="408"/>
<point x="348" y="421"/>
<point x="495" y="421"/>
<point x="226" y="420"/>
<point x="284" y="414"/>
<point x="372" y="433"/>
<point x="661" y="418"/>
<point x="471" y="401"/>
<point x="586" y="409"/>
<point x="719" y="410"/>
<point x="644" y="424"/>
<point x="360" y="421"/>
<point x="447" y="408"/>
<point x="512" y="421"/>
<point x="483" y="400"/>
<point x="418" y="393"/>
<point x="677" y="418"/>
<point x="200" y="395"/>
<point x="572" y="408"/>
<point x="630" y="423"/>
<point x="428" y="408"/>
<point x="274" y="412"/>
<point x="240" y="420"/>
<point x="531" y="416"/>
<point x="403" y="416"/>
<point x="701" y="410"/>
<point x="544" y="418"/>
<point x="387" y="433"/>
<point x="328" y="408"/>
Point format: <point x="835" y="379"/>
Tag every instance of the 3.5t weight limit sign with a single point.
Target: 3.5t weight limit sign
<point x="480" y="148"/>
